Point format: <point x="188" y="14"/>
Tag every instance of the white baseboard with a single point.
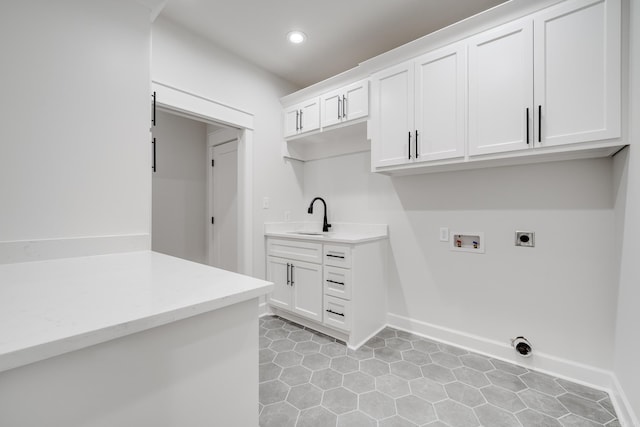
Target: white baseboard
<point x="621" y="404"/>
<point x="549" y="364"/>
<point x="264" y="309"/>
<point x="39" y="250"/>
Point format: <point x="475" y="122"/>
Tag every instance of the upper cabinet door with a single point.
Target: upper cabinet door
<point x="501" y="89"/>
<point x="345" y="104"/>
<point x="392" y="128"/>
<point x="440" y="103"/>
<point x="291" y="121"/>
<point x="302" y="118"/>
<point x="331" y="108"/>
<point x="355" y="101"/>
<point x="577" y="72"/>
<point x="309" y="115"/>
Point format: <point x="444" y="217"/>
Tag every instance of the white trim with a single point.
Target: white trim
<point x="195" y="106"/>
<point x="245" y="202"/>
<point x="542" y="362"/>
<point x="221" y="136"/>
<point x="589" y="376"/>
<point x="44" y="249"/>
<point x="192" y="104"/>
<point x="624" y="409"/>
<point x="264" y="309"/>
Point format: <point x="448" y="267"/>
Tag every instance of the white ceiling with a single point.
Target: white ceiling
<point x="341" y="33"/>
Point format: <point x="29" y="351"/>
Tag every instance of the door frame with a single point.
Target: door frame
<point x="182" y="102"/>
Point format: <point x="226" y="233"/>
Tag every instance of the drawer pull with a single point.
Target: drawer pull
<point x="336" y="313"/>
<point x="337" y="283"/>
<point x="335" y="256"/>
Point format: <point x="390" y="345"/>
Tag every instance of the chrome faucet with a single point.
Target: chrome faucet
<point x="325" y="226"/>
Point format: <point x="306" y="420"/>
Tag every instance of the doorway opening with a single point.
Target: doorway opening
<point x="238" y="124"/>
<point x="194" y="204"/>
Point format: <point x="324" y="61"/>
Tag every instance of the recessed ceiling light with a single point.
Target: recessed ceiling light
<point x="296" y="37"/>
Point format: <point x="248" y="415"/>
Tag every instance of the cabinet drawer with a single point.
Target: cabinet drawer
<point x="337" y="256"/>
<point x="337" y="313"/>
<point x="296" y="250"/>
<point x="337" y="282"/>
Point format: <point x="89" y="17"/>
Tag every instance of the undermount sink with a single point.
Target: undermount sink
<point x="309" y="233"/>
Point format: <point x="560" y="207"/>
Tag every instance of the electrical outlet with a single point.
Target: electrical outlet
<point x="444" y="234"/>
<point x="526" y="239"/>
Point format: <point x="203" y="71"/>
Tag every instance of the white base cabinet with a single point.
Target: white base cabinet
<point x="340" y="289"/>
<point x="298" y="284"/>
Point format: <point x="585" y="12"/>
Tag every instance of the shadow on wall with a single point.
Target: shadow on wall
<point x="582" y="184"/>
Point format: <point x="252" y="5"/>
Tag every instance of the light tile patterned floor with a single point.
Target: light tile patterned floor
<point x="398" y="379"/>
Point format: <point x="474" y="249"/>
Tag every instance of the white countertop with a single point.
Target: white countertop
<point x="351" y="233"/>
<point x="48" y="308"/>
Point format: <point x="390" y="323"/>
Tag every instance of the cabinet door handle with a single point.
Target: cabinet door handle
<point x="335" y="312"/>
<point x="300" y="119"/>
<point x="339" y="102"/>
<point x="335" y="256"/>
<point x="417" y="155"/>
<point x="153" y="120"/>
<point x="527" y="126"/>
<point x="153" y="164"/>
<point x="292" y="281"/>
<point x="344" y="107"/>
<point x="409" y="145"/>
<point x="337" y="283"/>
<point x="288" y="279"/>
<point x="539" y="123"/>
<point x="297" y="120"/>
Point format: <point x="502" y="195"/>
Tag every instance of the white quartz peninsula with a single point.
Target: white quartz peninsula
<point x="136" y="338"/>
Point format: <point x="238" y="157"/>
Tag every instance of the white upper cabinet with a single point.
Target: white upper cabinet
<point x="547" y="80"/>
<point x="577" y="72"/>
<point x="302" y="118"/>
<point x="392" y="122"/>
<point x="345" y="104"/>
<point x="420" y="109"/>
<point x="440" y="103"/>
<point x="501" y="89"/>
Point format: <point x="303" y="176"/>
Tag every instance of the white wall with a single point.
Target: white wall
<point x="74" y="138"/>
<point x="179" y="224"/>
<point x="560" y="294"/>
<point x="183" y="60"/>
<point x="627" y="345"/>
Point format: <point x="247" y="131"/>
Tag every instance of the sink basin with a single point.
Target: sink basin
<point x="309" y="233"/>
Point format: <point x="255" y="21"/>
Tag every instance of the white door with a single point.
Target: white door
<point x="441" y="81"/>
<point x="393" y="119"/>
<point x="501" y="89"/>
<point x="224" y="206"/>
<point x="577" y="72"/>
<point x="355" y="101"/>
<point x="310" y="115"/>
<point x="331" y="108"/>
<point x="278" y="272"/>
<point x="306" y="284"/>
<point x="291" y="121"/>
